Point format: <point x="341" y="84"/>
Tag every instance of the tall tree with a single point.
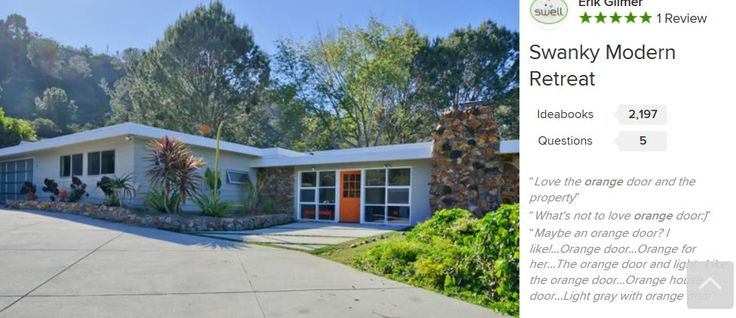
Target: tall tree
<point x="56" y="106"/>
<point x="356" y="80"/>
<point x="470" y="65"/>
<point x="13" y="131"/>
<point x="45" y="55"/>
<point x="207" y="69"/>
<point x="31" y="63"/>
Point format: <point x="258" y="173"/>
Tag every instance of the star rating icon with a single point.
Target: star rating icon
<point x="600" y="18"/>
<point x="631" y="18"/>
<point x="615" y="18"/>
<point x="585" y="18"/>
<point x="645" y="18"/>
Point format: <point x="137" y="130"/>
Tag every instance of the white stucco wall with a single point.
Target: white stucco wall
<point x="46" y="165"/>
<point x="129" y="159"/>
<point x="421" y="171"/>
<point x="228" y="160"/>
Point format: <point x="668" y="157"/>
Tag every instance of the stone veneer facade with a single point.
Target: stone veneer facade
<point x="467" y="171"/>
<point x="278" y="183"/>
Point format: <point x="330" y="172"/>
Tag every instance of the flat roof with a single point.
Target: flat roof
<point x="267" y="157"/>
<point x="412" y="151"/>
<point x="121" y="130"/>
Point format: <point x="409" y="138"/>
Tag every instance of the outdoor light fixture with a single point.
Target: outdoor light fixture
<point x="128" y="138"/>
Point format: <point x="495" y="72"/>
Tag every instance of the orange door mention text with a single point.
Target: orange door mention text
<point x="350" y="196"/>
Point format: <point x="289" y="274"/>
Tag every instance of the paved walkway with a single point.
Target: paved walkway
<point x="305" y="235"/>
<point x="56" y="265"/>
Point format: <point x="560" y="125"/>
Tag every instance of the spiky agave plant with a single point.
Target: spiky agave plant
<point x="173" y="168"/>
<point x="213" y="205"/>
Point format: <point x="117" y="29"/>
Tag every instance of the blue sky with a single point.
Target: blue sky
<point x="138" y="23"/>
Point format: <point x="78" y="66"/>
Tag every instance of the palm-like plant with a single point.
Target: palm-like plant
<point x="173" y="169"/>
<point x="117" y="188"/>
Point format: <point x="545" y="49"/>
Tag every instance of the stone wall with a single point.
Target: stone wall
<point x="510" y="178"/>
<point x="467" y="172"/>
<point x="171" y="222"/>
<point x="278" y="184"/>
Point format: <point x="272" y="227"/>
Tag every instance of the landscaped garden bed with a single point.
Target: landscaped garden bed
<point x="173" y="222"/>
<point x="453" y="253"/>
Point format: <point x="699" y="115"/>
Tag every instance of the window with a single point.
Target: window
<point x="71" y="165"/>
<point x="309" y="179"/>
<point x="387" y="195"/>
<point x="12" y="176"/>
<point x="375" y="177"/>
<point x="317" y="192"/>
<point x="101" y="162"/>
<point x="237" y="177"/>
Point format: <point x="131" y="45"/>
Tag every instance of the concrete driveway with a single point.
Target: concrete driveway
<point x="56" y="265"/>
<point x="306" y="235"/>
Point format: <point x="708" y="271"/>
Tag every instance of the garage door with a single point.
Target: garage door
<point x="12" y="176"/>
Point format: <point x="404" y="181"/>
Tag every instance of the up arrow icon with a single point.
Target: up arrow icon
<point x="710" y="285"/>
<point x="712" y="281"/>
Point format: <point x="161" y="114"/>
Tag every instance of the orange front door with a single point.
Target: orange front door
<point x="350" y="196"/>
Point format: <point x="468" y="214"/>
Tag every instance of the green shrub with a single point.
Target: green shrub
<point x="458" y="255"/>
<point x="394" y="258"/>
<point x="157" y="200"/>
<point x="497" y="250"/>
<point x="443" y="223"/>
<point x="212" y="206"/>
<point x="116" y="189"/>
<point x="439" y="267"/>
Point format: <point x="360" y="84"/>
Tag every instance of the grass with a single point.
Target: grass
<point x="345" y="252"/>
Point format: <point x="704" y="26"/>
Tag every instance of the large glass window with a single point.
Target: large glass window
<point x="317" y="195"/>
<point x="12" y="176"/>
<point x="101" y="162"/>
<point x="71" y="165"/>
<point x="387" y="195"/>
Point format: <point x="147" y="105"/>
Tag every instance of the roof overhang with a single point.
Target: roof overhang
<point x="416" y="151"/>
<point x="270" y="157"/>
<point x="122" y="130"/>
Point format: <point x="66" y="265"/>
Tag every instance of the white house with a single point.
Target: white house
<point x="386" y="184"/>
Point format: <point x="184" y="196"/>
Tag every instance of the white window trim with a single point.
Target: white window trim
<point x="230" y="181"/>
<point x="363" y="188"/>
<point x="316" y="202"/>
<point x="85" y="163"/>
<point x="71" y="166"/>
<point x="33" y="167"/>
<point x="386" y="203"/>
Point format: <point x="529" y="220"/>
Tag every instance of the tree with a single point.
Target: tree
<point x="77" y="67"/>
<point x="13" y="36"/>
<point x="207" y="69"/>
<point x="506" y="111"/>
<point x="46" y="128"/>
<point x="31" y="63"/>
<point x="13" y="131"/>
<point x="56" y="106"/>
<point x="356" y="81"/>
<point x="45" y="55"/>
<point x="470" y="65"/>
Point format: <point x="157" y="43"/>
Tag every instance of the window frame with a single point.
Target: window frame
<point x="316" y="202"/>
<point x="242" y="172"/>
<point x="386" y="187"/>
<point x="100" y="165"/>
<point x="62" y="165"/>
<point x="10" y="189"/>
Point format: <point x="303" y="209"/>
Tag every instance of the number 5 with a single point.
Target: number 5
<point x="642" y="140"/>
